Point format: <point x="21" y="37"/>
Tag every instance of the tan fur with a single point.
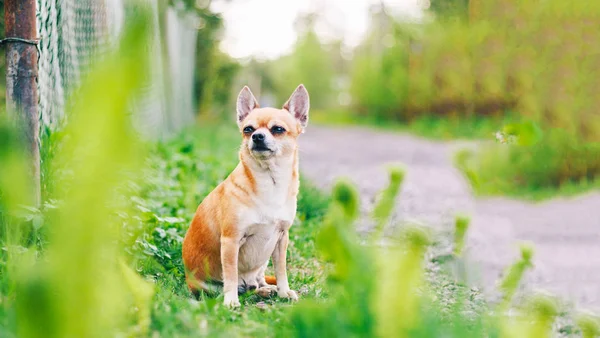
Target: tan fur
<point x="245" y="220"/>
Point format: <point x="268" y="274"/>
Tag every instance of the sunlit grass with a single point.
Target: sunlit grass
<point x="437" y="128"/>
<point x="550" y="168"/>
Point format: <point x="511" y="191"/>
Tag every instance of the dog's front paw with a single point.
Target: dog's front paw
<point x="289" y="294"/>
<point x="231" y="301"/>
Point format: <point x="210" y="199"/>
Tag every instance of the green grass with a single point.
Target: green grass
<point x="500" y="186"/>
<point x="427" y="126"/>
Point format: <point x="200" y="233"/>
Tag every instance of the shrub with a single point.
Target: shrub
<point x="559" y="160"/>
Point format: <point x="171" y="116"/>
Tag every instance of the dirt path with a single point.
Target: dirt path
<point x="565" y="232"/>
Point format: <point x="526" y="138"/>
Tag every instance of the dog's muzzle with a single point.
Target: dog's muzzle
<point x="258" y="142"/>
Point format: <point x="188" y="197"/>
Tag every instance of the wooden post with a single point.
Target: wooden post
<point x="21" y="76"/>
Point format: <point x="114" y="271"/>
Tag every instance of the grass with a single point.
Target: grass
<point x="427" y="126"/>
<point x="501" y="186"/>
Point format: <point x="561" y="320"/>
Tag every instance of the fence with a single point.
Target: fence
<point x="73" y="33"/>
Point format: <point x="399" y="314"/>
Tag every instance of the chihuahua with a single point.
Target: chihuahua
<point x="246" y="219"/>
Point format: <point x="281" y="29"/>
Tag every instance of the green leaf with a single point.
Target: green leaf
<point x="527" y="133"/>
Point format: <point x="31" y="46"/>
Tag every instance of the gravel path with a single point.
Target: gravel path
<point x="565" y="232"/>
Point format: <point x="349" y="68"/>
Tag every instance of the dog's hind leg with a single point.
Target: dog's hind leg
<point x="260" y="276"/>
<point x="264" y="289"/>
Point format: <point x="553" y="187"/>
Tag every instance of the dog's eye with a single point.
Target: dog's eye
<point x="277" y="130"/>
<point x="248" y="130"/>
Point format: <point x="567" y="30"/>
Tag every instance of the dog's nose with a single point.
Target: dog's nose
<point x="258" y="137"/>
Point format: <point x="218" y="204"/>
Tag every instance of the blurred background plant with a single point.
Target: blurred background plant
<point x="61" y="274"/>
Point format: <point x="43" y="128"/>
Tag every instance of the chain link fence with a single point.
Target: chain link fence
<point x="74" y="33"/>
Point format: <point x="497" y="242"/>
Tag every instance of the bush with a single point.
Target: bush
<point x="455" y="69"/>
<point x="559" y="161"/>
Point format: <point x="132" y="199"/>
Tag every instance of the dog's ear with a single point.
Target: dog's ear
<point x="246" y="102"/>
<point x="298" y="105"/>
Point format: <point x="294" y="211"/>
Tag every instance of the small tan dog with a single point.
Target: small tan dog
<point x="246" y="219"/>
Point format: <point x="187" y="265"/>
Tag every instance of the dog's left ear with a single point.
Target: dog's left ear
<point x="298" y="105"/>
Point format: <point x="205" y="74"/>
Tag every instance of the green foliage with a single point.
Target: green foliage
<point x="461" y="225"/>
<point x="514" y="274"/>
<point x="311" y="62"/>
<point x="214" y="70"/>
<point x="311" y="65"/>
<point x="379" y="73"/>
<point x="74" y="286"/>
<point x="384" y="292"/>
<point x="589" y="324"/>
<point x="536" y="318"/>
<point x="526" y="133"/>
<point x="438" y="75"/>
<point x="427" y="126"/>
<point x="446" y="9"/>
<point x="557" y="162"/>
<point x="346" y="197"/>
<point x="351" y="279"/>
<point x="387" y="200"/>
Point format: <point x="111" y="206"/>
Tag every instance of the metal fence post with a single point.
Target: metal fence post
<point x="21" y="76"/>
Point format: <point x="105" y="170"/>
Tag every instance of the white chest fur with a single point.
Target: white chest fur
<point x="261" y="225"/>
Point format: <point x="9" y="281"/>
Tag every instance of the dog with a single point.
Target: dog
<point x="246" y="219"/>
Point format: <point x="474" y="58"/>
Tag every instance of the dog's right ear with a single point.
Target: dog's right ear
<point x="246" y="102"/>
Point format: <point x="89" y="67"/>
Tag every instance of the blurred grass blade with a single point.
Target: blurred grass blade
<point x="80" y="277"/>
<point x="336" y="239"/>
<point x="514" y="275"/>
<point x="15" y="188"/>
<point x="535" y="319"/>
<point x="387" y="198"/>
<point x="346" y="199"/>
<point x="589" y="324"/>
<point x="142" y="291"/>
<point x="461" y="225"/>
<point x="397" y="299"/>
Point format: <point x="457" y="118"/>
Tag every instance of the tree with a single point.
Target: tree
<point x="445" y="9"/>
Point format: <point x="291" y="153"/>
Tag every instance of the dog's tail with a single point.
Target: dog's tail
<point x="271" y="280"/>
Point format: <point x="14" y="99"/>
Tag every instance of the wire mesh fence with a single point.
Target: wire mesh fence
<point x="75" y="33"/>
